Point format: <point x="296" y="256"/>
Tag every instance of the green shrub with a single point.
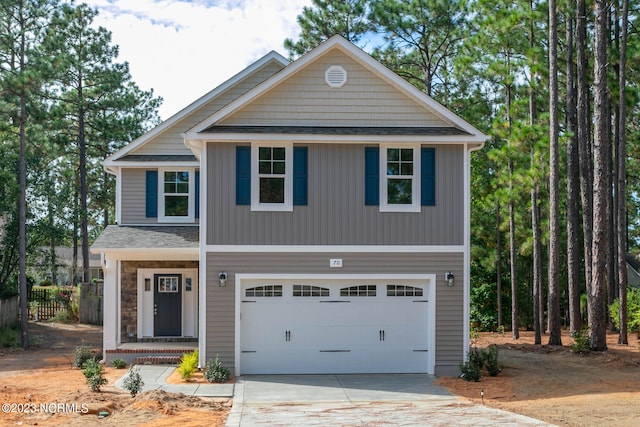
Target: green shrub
<point x="80" y="356"/>
<point x="94" y="373"/>
<point x="470" y="372"/>
<point x="9" y="337"/>
<point x="133" y="381"/>
<point x="491" y="361"/>
<point x="214" y="372"/>
<point x="188" y="364"/>
<point x="119" y="363"/>
<point x="580" y="341"/>
<point x="479" y="359"/>
<point x="633" y="311"/>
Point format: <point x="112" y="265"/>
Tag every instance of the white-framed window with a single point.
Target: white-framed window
<point x="400" y="178"/>
<point x="176" y="195"/>
<point x="272" y="176"/>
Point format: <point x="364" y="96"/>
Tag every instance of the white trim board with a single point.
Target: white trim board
<point x="336" y="248"/>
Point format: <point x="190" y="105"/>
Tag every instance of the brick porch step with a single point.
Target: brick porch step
<point x="157" y="360"/>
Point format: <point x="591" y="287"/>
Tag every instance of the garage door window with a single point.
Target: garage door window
<point x="403" y="291"/>
<point x="359" y="291"/>
<point x="309" y="291"/>
<point x="264" y="291"/>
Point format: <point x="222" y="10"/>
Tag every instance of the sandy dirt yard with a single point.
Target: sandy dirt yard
<point x="44" y="375"/>
<point x="559" y="386"/>
<point x="548" y="383"/>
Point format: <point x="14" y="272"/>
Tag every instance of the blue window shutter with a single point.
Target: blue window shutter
<point x="371" y="176"/>
<point x="243" y="175"/>
<point x="151" y="204"/>
<point x="300" y="175"/>
<point x="197" y="183"/>
<point x="428" y="178"/>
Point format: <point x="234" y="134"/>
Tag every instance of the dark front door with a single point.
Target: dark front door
<point x="167" y="305"/>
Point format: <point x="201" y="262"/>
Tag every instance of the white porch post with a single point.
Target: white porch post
<point x="110" y="304"/>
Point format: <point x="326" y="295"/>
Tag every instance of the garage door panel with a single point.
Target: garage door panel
<point x="334" y="333"/>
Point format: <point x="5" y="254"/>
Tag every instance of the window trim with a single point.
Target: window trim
<point x="191" y="202"/>
<point x="416" y="204"/>
<point x="287" y="206"/>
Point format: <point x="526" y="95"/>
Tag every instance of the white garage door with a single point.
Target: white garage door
<point x="334" y="326"/>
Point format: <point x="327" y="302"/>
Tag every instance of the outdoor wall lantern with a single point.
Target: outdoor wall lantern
<point x="448" y="276"/>
<point x="222" y="277"/>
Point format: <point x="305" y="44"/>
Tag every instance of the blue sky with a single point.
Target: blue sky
<point x="182" y="49"/>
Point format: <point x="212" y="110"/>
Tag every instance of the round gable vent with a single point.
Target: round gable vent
<point x="335" y="76"/>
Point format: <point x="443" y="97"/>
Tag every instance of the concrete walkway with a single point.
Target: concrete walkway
<point x="155" y="378"/>
<point x="338" y="400"/>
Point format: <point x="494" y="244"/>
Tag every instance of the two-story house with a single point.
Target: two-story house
<point x="304" y="217"/>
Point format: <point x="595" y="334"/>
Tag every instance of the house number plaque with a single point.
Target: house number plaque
<point x="335" y="263"/>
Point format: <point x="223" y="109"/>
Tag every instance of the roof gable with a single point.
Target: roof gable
<point x="166" y="138"/>
<point x="299" y="97"/>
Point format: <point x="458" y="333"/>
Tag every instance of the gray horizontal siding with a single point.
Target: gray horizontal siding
<point x="171" y="141"/>
<point x="335" y="214"/>
<point x="306" y="99"/>
<point x="220" y="320"/>
<point x="133" y="197"/>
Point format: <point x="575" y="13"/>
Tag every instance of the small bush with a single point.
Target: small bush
<point x="80" y="356"/>
<point x="133" y="381"/>
<point x="470" y="372"/>
<point x="119" y="363"/>
<point x="491" y="361"/>
<point x="188" y="364"/>
<point x="479" y="359"/>
<point x="580" y="341"/>
<point x="94" y="373"/>
<point x="9" y="337"/>
<point x="214" y="372"/>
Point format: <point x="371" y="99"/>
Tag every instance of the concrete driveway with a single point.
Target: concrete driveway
<point x="357" y="400"/>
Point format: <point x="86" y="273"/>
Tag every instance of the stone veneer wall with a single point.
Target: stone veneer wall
<point x="129" y="292"/>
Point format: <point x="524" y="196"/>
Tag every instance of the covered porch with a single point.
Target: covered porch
<point x="151" y="292"/>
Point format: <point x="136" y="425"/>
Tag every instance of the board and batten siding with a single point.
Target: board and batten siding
<point x="220" y="301"/>
<point x="171" y="141"/>
<point x="335" y="213"/>
<point x="306" y="99"/>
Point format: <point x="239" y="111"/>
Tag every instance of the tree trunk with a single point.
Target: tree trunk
<point x="596" y="290"/>
<point x="574" y="258"/>
<point x="22" y="199"/>
<point x="535" y="196"/>
<point x="554" y="209"/>
<point x="499" y="265"/>
<point x="621" y="153"/>
<point x="584" y="137"/>
<point x="84" y="220"/>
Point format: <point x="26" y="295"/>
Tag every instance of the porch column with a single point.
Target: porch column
<point x="110" y="304"/>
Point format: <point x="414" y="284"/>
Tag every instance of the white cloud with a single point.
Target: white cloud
<point x="183" y="49"/>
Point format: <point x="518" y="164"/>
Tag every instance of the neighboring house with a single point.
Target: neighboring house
<point x="64" y="266"/>
<point x="304" y="217"/>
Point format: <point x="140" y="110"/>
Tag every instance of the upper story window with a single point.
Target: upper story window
<point x="400" y="177"/>
<point x="272" y="177"/>
<point x="400" y="186"/>
<point x="176" y="195"/>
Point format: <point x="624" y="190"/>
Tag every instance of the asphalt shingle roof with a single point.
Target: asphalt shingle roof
<point x="337" y="130"/>
<point x="161" y="237"/>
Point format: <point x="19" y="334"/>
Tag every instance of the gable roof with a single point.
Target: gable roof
<point x="457" y="129"/>
<point x="125" y="153"/>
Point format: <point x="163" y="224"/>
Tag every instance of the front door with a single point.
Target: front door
<point x="167" y="306"/>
